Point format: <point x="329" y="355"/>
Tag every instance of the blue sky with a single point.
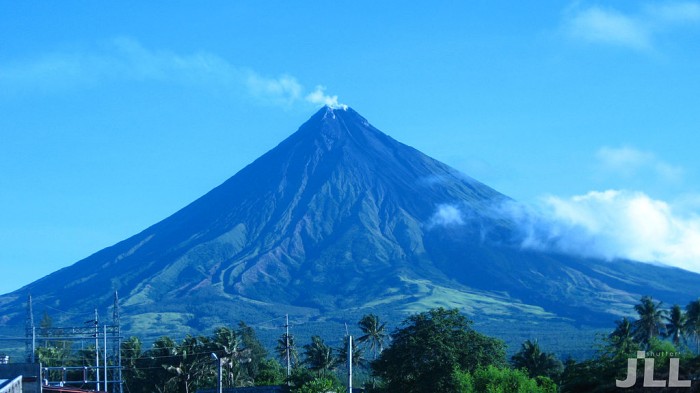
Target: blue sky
<point x="113" y="115"/>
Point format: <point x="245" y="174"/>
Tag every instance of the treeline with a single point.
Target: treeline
<point x="436" y="351"/>
<point x="662" y="333"/>
<point x="433" y="351"/>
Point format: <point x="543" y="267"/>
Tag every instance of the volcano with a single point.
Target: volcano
<point x="337" y="221"/>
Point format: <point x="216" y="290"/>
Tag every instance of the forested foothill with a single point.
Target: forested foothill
<point x="433" y="351"/>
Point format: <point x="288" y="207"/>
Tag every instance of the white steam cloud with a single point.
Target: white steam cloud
<point x="126" y="59"/>
<point x="612" y="224"/>
<point x="319" y="97"/>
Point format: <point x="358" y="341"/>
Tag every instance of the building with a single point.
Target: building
<point x="11" y="385"/>
<point x="29" y="375"/>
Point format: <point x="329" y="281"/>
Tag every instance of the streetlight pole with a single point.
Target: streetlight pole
<point x="219" y="385"/>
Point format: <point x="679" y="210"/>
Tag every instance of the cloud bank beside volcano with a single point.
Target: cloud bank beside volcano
<point x="612" y="224"/>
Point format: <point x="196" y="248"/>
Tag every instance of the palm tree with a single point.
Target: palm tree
<point x="621" y="340"/>
<point x="226" y="344"/>
<point x="183" y="367"/>
<point x="374" y="333"/>
<point x="358" y="355"/>
<point x="537" y="363"/>
<point x="650" y="323"/>
<point x="692" y="321"/>
<point x="131" y="350"/>
<point x="190" y="367"/>
<point x="281" y="350"/>
<point x="319" y="356"/>
<point x="162" y="354"/>
<point x="675" y="328"/>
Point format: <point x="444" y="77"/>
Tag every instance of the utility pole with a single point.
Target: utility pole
<point x="30" y="332"/>
<point x="118" y="345"/>
<point x="105" y="357"/>
<point x="97" y="352"/>
<point x="219" y="380"/>
<point x="33" y="344"/>
<point x="349" y="364"/>
<point x="286" y="337"/>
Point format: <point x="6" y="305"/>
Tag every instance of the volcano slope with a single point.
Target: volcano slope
<point x="341" y="220"/>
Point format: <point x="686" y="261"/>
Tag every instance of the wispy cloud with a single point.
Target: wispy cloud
<point x="285" y="89"/>
<point x="608" y="26"/>
<point x="627" y="161"/>
<point x="446" y="215"/>
<point x="126" y="59"/>
<point x="612" y="224"/>
<point x="635" y="30"/>
<point x="319" y="97"/>
<point x="675" y="13"/>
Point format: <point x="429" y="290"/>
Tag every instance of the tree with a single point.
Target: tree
<point x="53" y="353"/>
<point x="281" y="350"/>
<point x="429" y="346"/>
<point x="535" y="362"/>
<point x="189" y="365"/>
<point x="131" y="352"/>
<point x="650" y="323"/>
<point x="45" y="324"/>
<point x="320" y="385"/>
<point x="319" y="357"/>
<point x="591" y="376"/>
<point x="255" y="350"/>
<point x="501" y="380"/>
<point x="621" y="342"/>
<point x="692" y="321"/>
<point x="227" y="345"/>
<point x="270" y="373"/>
<point x="358" y="354"/>
<point x="675" y="328"/>
<point x="50" y="356"/>
<point x="374" y="333"/>
<point x="162" y="353"/>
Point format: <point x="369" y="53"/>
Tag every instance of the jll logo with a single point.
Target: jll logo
<point x="649" y="381"/>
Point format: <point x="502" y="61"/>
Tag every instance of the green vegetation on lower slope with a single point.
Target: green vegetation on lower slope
<point x="493" y="313"/>
<point x="454" y="356"/>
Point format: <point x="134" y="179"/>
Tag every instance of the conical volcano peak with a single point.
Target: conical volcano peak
<point x="336" y="123"/>
<point x="330" y="112"/>
<point x="336" y="106"/>
<point x="337" y="220"/>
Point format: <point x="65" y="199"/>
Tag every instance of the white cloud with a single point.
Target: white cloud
<point x="124" y="59"/>
<point x="319" y="97"/>
<point x="680" y="12"/>
<point x="628" y="161"/>
<point x="623" y="159"/>
<point x="613" y="224"/>
<point x="285" y="88"/>
<point x="596" y="24"/>
<point x="635" y="30"/>
<point x="446" y="215"/>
